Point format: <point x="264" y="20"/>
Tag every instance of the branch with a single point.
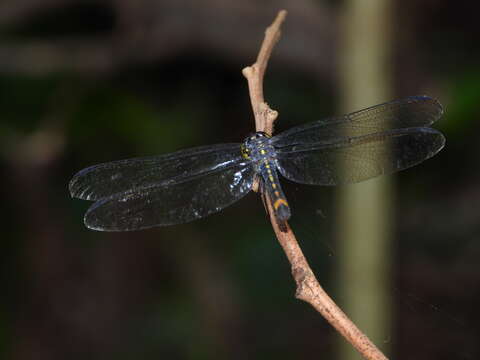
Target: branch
<point x="264" y="116"/>
<point x="308" y="288"/>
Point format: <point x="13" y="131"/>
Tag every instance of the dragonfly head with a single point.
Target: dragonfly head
<point x="257" y="146"/>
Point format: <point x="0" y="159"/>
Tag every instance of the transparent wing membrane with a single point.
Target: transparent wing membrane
<point x="103" y="180"/>
<point x="414" y="111"/>
<point x="356" y="159"/>
<point x="174" y="203"/>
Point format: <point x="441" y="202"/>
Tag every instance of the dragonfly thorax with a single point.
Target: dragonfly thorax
<point x="258" y="148"/>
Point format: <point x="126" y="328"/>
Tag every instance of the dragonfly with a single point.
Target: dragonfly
<point x="186" y="185"/>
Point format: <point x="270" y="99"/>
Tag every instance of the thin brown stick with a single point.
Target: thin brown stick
<point x="308" y="288"/>
<point x="264" y="116"/>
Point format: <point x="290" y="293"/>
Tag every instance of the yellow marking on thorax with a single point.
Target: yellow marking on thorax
<point x="263" y="152"/>
<point x="274" y="185"/>
<point x="244" y="151"/>
<point x="279" y="202"/>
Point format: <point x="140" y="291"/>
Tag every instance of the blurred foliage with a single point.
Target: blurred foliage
<point x="461" y="112"/>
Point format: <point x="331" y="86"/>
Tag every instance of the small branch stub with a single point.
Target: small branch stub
<point x="308" y="288"/>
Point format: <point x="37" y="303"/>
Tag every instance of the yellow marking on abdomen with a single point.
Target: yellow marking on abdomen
<point x="279" y="202"/>
<point x="274" y="185"/>
<point x="270" y="178"/>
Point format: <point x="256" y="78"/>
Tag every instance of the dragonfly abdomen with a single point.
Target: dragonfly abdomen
<point x="274" y="190"/>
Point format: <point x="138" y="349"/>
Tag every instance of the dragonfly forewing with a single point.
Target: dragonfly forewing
<point x="103" y="180"/>
<point x="413" y="111"/>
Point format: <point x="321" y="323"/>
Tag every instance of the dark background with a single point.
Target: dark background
<point x="83" y="82"/>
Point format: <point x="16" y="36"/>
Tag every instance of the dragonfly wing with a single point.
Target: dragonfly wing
<point x="414" y="111"/>
<point x="354" y="159"/>
<point x="104" y="180"/>
<point x="172" y="203"/>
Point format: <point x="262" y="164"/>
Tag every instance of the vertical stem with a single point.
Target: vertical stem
<point x="364" y="211"/>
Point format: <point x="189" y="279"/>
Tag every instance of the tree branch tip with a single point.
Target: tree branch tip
<point x="274" y="28"/>
<point x="282" y="14"/>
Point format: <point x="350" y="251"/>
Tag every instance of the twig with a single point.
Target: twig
<point x="264" y="116"/>
<point x="308" y="288"/>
